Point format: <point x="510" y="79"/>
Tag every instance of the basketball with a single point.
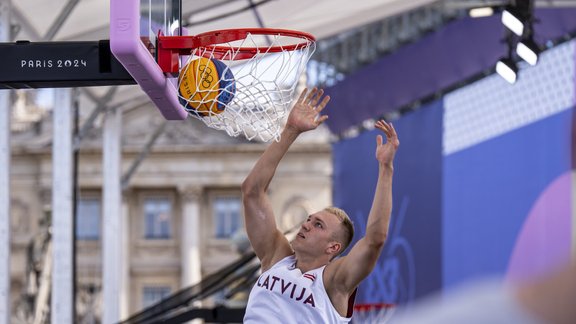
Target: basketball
<point x="206" y="86"/>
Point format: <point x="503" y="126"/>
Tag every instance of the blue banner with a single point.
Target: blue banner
<point x="410" y="265"/>
<point x="490" y="191"/>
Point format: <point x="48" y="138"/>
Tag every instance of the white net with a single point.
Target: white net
<point x="254" y="93"/>
<point x="372" y="313"/>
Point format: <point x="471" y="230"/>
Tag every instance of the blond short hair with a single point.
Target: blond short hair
<point x="348" y="227"/>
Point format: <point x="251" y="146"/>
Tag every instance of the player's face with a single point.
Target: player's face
<point x="317" y="232"/>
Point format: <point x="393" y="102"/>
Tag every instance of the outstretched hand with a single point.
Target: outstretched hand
<point x="385" y="151"/>
<point x="305" y="115"/>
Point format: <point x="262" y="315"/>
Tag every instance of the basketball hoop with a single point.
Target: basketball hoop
<point x="263" y="66"/>
<point x="372" y="313"/>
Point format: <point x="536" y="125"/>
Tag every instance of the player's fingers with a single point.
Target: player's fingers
<point x="302" y="96"/>
<point x="315" y="100"/>
<point x="382" y="126"/>
<point x="379" y="140"/>
<point x="392" y="130"/>
<point x="311" y="95"/>
<point x="323" y="104"/>
<point x="394" y="135"/>
<point x="321" y="119"/>
<point x="387" y="128"/>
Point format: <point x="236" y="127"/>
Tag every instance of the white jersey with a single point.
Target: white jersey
<point x="283" y="294"/>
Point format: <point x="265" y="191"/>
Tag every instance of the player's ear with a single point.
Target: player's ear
<point x="334" y="247"/>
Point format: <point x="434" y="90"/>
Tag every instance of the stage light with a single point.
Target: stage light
<point x="507" y="69"/>
<point x="481" y="12"/>
<point x="513" y="20"/>
<point x="528" y="50"/>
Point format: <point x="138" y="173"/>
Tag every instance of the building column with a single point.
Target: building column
<point x="5" y="152"/>
<point x="5" y="233"/>
<point x="113" y="232"/>
<point x="190" y="242"/>
<point x="125" y="277"/>
<point x="62" y="211"/>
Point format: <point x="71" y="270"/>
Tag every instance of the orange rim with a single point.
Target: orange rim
<point x="207" y="40"/>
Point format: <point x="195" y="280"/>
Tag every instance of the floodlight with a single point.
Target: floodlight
<point x="507" y="69"/>
<point x="512" y="19"/>
<point x="528" y="50"/>
<point x="481" y="12"/>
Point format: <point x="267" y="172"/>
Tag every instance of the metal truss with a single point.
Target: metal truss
<point x="347" y="52"/>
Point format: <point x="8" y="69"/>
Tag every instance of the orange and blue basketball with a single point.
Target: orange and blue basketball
<point x="206" y="86"/>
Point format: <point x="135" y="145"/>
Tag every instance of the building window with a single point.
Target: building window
<point x="226" y="213"/>
<point x="158" y="218"/>
<point x="88" y="215"/>
<point x="152" y="295"/>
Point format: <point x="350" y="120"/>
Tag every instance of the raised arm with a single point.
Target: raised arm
<point x="350" y="270"/>
<point x="268" y="242"/>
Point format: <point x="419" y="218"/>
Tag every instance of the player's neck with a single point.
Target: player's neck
<point x="306" y="263"/>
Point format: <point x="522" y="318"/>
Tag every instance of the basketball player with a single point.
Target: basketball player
<point x="302" y="281"/>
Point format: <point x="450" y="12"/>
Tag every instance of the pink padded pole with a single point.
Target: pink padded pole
<point x="126" y="46"/>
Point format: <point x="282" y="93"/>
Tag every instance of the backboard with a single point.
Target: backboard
<point x="159" y="16"/>
<point x="134" y="28"/>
